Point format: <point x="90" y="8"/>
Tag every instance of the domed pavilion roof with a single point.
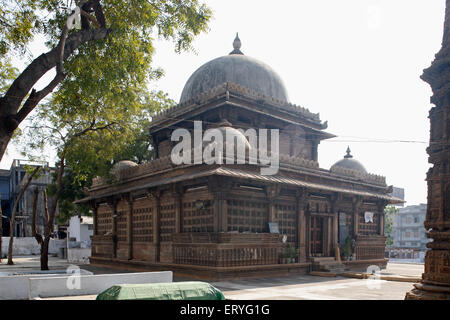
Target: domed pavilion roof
<point x="235" y="68"/>
<point x="349" y="163"/>
<point x="122" y="165"/>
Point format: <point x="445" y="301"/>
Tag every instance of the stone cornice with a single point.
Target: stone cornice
<point x="227" y="88"/>
<point x="285" y="161"/>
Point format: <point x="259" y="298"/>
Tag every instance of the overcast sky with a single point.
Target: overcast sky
<point x="356" y="62"/>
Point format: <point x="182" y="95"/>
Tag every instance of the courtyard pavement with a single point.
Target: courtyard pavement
<point x="33" y="263"/>
<point x="307" y="287"/>
<point x="295" y="287"/>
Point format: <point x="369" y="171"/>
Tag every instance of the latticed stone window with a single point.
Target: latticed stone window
<point x="104" y="219"/>
<point x="285" y="214"/>
<point x="245" y="215"/>
<point x="143" y="221"/>
<point x="197" y="219"/>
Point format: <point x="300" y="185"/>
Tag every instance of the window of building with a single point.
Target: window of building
<point x="408" y="220"/>
<point x="407" y="234"/>
<point x="416" y="219"/>
<point x="416" y="234"/>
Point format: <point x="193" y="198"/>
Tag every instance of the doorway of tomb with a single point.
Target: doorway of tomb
<point x="317" y="235"/>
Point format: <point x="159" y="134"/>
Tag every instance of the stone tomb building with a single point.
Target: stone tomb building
<point x="212" y="221"/>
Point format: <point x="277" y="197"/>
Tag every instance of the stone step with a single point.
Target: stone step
<point x="323" y="259"/>
<point x="323" y="274"/>
<point x="330" y="266"/>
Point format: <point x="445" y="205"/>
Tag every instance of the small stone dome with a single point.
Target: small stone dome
<point x="235" y="68"/>
<point x="227" y="130"/>
<point x="349" y="163"/>
<point x="122" y="165"/>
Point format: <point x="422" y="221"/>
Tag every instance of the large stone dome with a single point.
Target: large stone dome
<point x="236" y="68"/>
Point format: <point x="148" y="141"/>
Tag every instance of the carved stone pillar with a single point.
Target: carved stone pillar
<point x="220" y="187"/>
<point x="356" y="206"/>
<point x="94" y="207"/>
<point x="302" y="201"/>
<point x="272" y="192"/>
<point x="113" y="204"/>
<point x="156" y="195"/>
<point x="435" y="282"/>
<point x="178" y="196"/>
<point x="130" y="227"/>
<point x="224" y="224"/>
<point x="381" y="206"/>
<point x="335" y="225"/>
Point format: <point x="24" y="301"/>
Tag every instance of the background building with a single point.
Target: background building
<point x="400" y="194"/>
<point x="10" y="183"/>
<point x="409" y="234"/>
<point x="80" y="229"/>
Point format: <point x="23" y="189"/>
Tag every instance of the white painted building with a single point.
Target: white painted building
<point x="81" y="229"/>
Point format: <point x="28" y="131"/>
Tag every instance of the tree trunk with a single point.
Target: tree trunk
<point x="45" y="242"/>
<point x="5" y="137"/>
<point x="13" y="215"/>
<point x="44" y="254"/>
<point x="34" y="233"/>
<point x="51" y="216"/>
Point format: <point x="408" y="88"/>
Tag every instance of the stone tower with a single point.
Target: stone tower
<point x="436" y="278"/>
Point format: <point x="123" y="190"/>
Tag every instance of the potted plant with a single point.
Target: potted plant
<point x="346" y="248"/>
<point x="291" y="254"/>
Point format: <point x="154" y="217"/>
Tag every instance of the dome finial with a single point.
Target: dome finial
<point x="236" y="45"/>
<point x="348" y="155"/>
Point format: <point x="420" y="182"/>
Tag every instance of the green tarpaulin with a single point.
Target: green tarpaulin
<point x="189" y="290"/>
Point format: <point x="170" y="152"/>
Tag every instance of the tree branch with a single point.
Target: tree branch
<point x="91" y="128"/>
<point x="99" y="13"/>
<point x="38" y="67"/>
<point x="36" y="96"/>
<point x="90" y="18"/>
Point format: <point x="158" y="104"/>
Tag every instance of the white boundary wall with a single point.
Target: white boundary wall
<point x="77" y="285"/>
<point x="25" y="246"/>
<point x="78" y="255"/>
<point x="18" y="287"/>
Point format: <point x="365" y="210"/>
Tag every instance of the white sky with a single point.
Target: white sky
<point x="357" y="62"/>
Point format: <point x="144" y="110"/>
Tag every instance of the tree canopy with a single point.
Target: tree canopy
<point x="89" y="143"/>
<point x="390" y="213"/>
<point x="106" y="65"/>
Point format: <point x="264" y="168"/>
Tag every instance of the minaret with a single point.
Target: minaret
<point x="435" y="282"/>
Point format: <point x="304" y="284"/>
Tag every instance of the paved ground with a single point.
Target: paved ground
<point x="404" y="269"/>
<point x="313" y="287"/>
<point x="280" y="288"/>
<point x="32" y="263"/>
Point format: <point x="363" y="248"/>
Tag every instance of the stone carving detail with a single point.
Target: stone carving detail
<point x="436" y="279"/>
<point x="234" y="88"/>
<point x="368" y="177"/>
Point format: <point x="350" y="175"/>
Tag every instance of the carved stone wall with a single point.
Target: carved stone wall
<point x="436" y="278"/>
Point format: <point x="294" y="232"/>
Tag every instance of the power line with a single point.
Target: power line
<point x="361" y="139"/>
